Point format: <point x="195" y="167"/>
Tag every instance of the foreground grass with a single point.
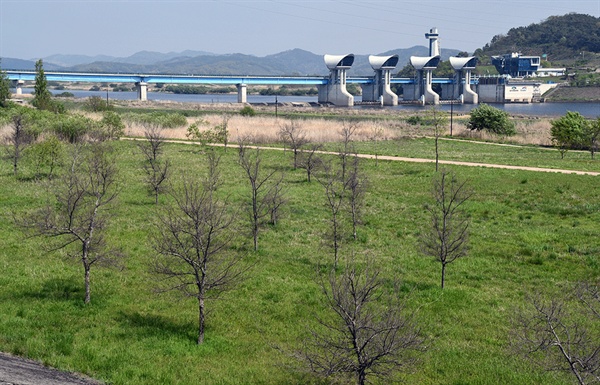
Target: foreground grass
<point x="530" y="231"/>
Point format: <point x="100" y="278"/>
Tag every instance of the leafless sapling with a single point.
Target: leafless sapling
<point x="194" y="245"/>
<point x="155" y="168"/>
<point x="561" y="333"/>
<point x="293" y="135"/>
<point x="439" y="121"/>
<point x="18" y="139"/>
<point x="446" y="239"/>
<point x="309" y="159"/>
<point x="347" y="132"/>
<point x="369" y="334"/>
<point x="335" y="193"/>
<point x="78" y="215"/>
<point x="375" y="135"/>
<point x="265" y="189"/>
<point x="356" y="187"/>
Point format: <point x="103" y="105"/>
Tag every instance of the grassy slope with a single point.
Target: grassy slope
<point x="529" y="231"/>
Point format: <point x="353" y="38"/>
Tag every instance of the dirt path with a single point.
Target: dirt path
<point x="20" y="371"/>
<point x="418" y="160"/>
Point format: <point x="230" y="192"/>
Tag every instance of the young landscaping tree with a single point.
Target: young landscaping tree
<point x="78" y="216"/>
<point x="347" y="132"/>
<point x="265" y="191"/>
<point x="18" y="139"/>
<point x="4" y="88"/>
<point x="438" y="121"/>
<point x="356" y="187"/>
<point x="156" y="169"/>
<point x="491" y="119"/>
<point x="369" y="333"/>
<point x="194" y="245"/>
<point x="309" y="160"/>
<point x="335" y="193"/>
<point x="567" y="132"/>
<point x="561" y="333"/>
<point x="293" y="135"/>
<point x="47" y="154"/>
<point x="447" y="237"/>
<point x="376" y="134"/>
<point x="591" y="135"/>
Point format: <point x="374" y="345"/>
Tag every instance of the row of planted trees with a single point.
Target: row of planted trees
<point x="371" y="332"/>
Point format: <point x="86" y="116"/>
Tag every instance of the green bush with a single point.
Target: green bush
<point x="73" y="128"/>
<point x="491" y="119"/>
<point x="97" y="104"/>
<point x="247" y="111"/>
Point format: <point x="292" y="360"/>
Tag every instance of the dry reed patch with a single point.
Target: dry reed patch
<point x="262" y="129"/>
<point x="528" y="132"/>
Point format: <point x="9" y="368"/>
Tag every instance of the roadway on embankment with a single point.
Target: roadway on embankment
<point x="413" y="160"/>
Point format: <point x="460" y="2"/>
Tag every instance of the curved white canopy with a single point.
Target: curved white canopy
<point x="424" y="62"/>
<point x="383" y="62"/>
<point x="463" y="62"/>
<point x="339" y="61"/>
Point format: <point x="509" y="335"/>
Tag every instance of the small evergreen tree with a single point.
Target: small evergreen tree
<point x="4" y="88"/>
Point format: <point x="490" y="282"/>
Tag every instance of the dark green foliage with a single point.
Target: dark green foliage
<point x="491" y="119"/>
<point x="197" y="90"/>
<point x="65" y="94"/>
<point x="42" y="98"/>
<point x="569" y="131"/>
<point x="561" y="37"/>
<point x="247" y="111"/>
<point x="4" y="88"/>
<point x="97" y="104"/>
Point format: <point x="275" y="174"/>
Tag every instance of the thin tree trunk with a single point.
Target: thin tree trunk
<point x="443" y="274"/>
<point x="201" y="316"/>
<point x="87" y="283"/>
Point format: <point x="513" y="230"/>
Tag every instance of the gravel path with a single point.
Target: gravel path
<point x="20" y="371"/>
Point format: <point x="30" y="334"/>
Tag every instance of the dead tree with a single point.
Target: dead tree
<point x="265" y="191"/>
<point x="78" y="215"/>
<point x="370" y="333"/>
<point x="293" y="135"/>
<point x="447" y="237"/>
<point x="309" y="160"/>
<point x="561" y="334"/>
<point x="156" y="169"/>
<point x="438" y="120"/>
<point x="193" y="246"/>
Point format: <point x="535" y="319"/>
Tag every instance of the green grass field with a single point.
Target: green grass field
<point x="529" y="231"/>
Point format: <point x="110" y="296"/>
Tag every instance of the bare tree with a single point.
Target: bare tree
<point x="335" y="192"/>
<point x="78" y="215"/>
<point x="18" y="139"/>
<point x="439" y="121"/>
<point x="356" y="186"/>
<point x="309" y="159"/>
<point x="156" y="169"/>
<point x="347" y="132"/>
<point x="193" y="244"/>
<point x="447" y="238"/>
<point x="375" y="135"/>
<point x="370" y="334"/>
<point x="292" y="134"/>
<point x="265" y="191"/>
<point x="561" y="334"/>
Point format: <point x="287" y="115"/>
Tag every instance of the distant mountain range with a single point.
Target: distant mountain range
<point x="295" y="62"/>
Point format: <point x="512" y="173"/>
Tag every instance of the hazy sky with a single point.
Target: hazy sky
<point x="31" y="29"/>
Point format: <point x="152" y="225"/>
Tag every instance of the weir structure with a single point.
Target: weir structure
<point x="334" y="91"/>
<point x="379" y="90"/>
<point x="376" y="89"/>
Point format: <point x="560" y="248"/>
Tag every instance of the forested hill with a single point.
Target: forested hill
<point x="560" y="37"/>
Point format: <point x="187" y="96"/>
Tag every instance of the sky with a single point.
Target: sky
<point x="33" y="29"/>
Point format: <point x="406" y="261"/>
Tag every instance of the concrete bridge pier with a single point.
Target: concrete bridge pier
<point x="142" y="91"/>
<point x="335" y="91"/>
<point x="242" y="90"/>
<point x="379" y="90"/>
<point x="429" y="96"/>
<point x="18" y="85"/>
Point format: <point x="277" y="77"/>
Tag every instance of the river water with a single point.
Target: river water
<point x="590" y="110"/>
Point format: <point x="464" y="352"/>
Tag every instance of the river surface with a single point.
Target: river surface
<point x="590" y="110"/>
